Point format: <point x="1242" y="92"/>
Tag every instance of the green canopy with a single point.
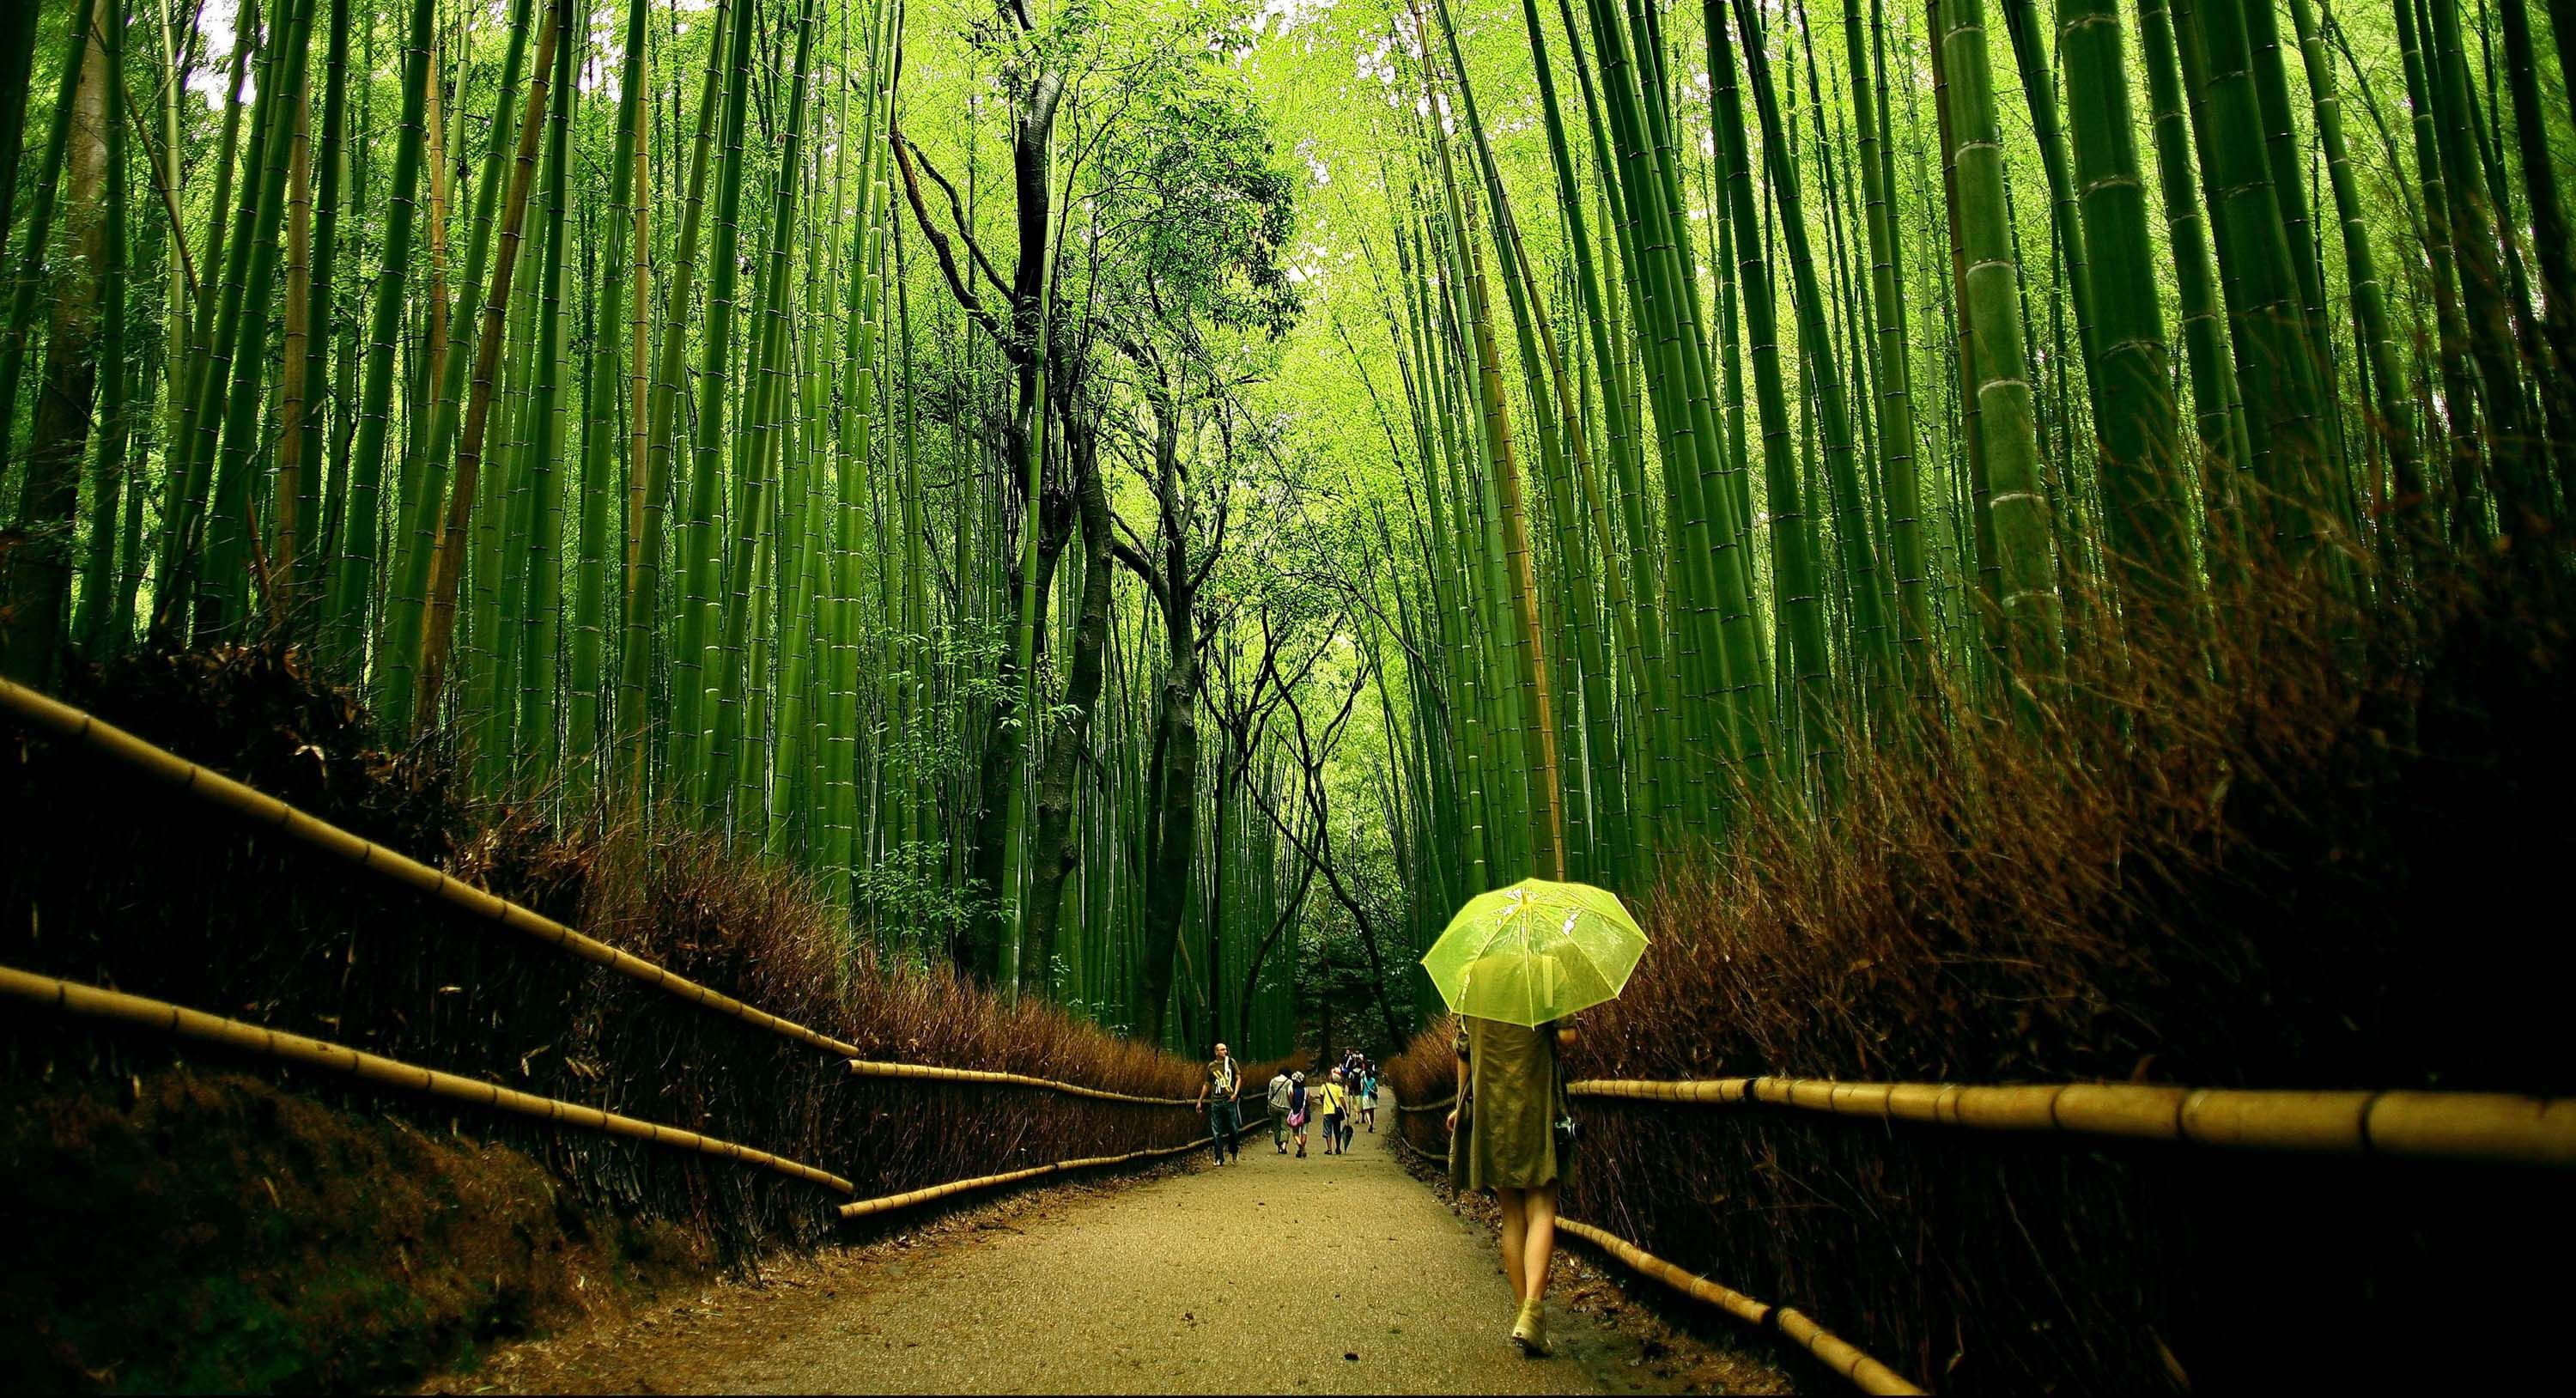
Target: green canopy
<point x="1535" y="951"/>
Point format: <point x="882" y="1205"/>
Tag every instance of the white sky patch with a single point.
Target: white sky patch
<point x="604" y="63"/>
<point x="212" y="77"/>
<point x="1290" y="14"/>
<point x="1321" y="173"/>
<point x="1378" y="62"/>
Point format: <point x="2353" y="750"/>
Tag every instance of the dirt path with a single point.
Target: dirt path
<point x="1333" y="1274"/>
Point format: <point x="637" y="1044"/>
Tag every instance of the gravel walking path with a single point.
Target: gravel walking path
<point x="1331" y="1274"/>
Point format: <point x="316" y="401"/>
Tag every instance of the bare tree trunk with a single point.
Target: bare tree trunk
<point x="1173" y="836"/>
<point x="978" y="952"/>
<point x="1053" y="859"/>
<point x="1175" y="828"/>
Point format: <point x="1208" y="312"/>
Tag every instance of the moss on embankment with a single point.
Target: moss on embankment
<point x="199" y="1230"/>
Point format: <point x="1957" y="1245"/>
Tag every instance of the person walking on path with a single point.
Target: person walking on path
<point x="1368" y="1097"/>
<point x="1224" y="1083"/>
<point x="1516" y="964"/>
<point x="1280" y="1089"/>
<point x="1334" y="1098"/>
<point x="1504" y="1137"/>
<point x="1298" y="1105"/>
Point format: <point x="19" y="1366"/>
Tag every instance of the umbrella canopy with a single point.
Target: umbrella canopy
<point x="1535" y="951"/>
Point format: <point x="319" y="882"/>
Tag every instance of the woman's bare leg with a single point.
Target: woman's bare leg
<point x="1538" y="1239"/>
<point x="1515" y="1235"/>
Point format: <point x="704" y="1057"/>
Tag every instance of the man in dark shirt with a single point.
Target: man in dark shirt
<point x="1225" y="1118"/>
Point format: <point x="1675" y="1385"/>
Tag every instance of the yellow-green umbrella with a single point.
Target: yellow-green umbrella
<point x="1535" y="951"/>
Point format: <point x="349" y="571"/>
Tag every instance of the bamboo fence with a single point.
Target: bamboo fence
<point x="1836" y="1353"/>
<point x="891" y="1202"/>
<point x="85" y="731"/>
<point x="862" y="1068"/>
<point x="97" y="735"/>
<point x="2465" y="1127"/>
<point x="90" y="1002"/>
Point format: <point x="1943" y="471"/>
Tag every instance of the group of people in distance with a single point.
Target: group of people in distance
<point x="1344" y="1100"/>
<point x="1511" y="1132"/>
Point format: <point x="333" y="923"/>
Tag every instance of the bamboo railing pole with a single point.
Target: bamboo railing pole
<point x="2466" y="1127"/>
<point x="890" y="1202"/>
<point x="90" y="1002"/>
<point x="1836" y="1353"/>
<point x="862" y="1068"/>
<point x="81" y="729"/>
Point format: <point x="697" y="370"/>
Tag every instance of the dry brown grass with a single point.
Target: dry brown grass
<point x="124" y="884"/>
<point x="2339" y="868"/>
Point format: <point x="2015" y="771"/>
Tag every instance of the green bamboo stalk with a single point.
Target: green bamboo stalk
<point x="615" y="336"/>
<point x="27" y="277"/>
<point x="226" y="583"/>
<point x="2551" y="237"/>
<point x="422" y="494"/>
<point x="2277" y="380"/>
<point x="1529" y="641"/>
<point x="356" y="577"/>
<point x="1797" y="595"/>
<point x="312" y="555"/>
<point x="2220" y="427"/>
<point x="2140" y="430"/>
<point x="644" y="598"/>
<point x="693" y="766"/>
<point x="2027" y="593"/>
<point x="36" y="573"/>
<point x="294" y="492"/>
<point x="99" y="577"/>
<point x="541" y="610"/>
<point x="449" y="568"/>
<point x="2393" y="413"/>
<point x="759" y="439"/>
<point x="1897" y="432"/>
<point x="1824" y="376"/>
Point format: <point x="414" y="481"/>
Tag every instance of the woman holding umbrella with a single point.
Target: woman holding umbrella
<point x="1515" y="965"/>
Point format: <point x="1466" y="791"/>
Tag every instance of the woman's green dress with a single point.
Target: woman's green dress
<point x="1507" y="1121"/>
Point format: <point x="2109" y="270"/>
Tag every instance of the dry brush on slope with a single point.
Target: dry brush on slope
<point x="124" y="884"/>
<point x="2307" y="880"/>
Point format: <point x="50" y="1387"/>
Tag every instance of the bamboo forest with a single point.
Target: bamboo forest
<point x="2028" y="545"/>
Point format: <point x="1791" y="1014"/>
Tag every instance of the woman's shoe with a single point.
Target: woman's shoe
<point x="1530" y="1331"/>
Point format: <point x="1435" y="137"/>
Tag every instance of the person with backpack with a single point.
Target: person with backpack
<point x="1332" y="1100"/>
<point x="1225" y="1113"/>
<point x="1368" y="1096"/>
<point x="1280" y="1091"/>
<point x="1298" y="1104"/>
